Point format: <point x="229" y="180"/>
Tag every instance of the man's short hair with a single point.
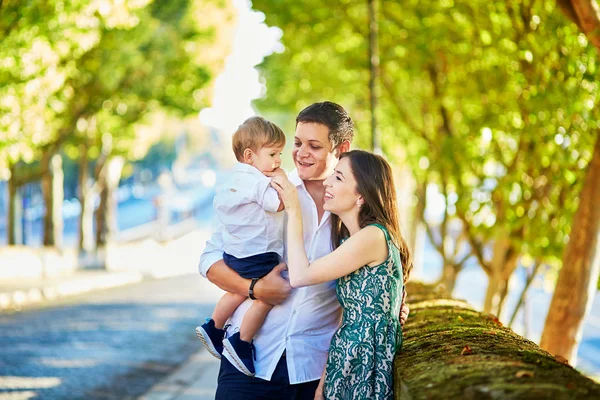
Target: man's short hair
<point x="255" y="133"/>
<point x="333" y="116"/>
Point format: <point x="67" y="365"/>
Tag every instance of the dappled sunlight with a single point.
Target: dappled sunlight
<point x="81" y="325"/>
<point x="148" y="366"/>
<point x="118" y="346"/>
<point x="108" y="323"/>
<point x="440" y="303"/>
<point x="21" y="395"/>
<point x="171" y="313"/>
<point x="62" y="363"/>
<point x="24" y="382"/>
<point x="137" y="326"/>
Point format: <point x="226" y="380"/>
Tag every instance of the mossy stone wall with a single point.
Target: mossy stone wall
<point x="451" y="351"/>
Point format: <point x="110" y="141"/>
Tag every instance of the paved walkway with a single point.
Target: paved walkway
<point x="131" y="263"/>
<point x="194" y="380"/>
<point x="197" y="378"/>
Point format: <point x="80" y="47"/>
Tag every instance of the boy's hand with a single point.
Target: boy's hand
<point x="276" y="172"/>
<point x="273" y="288"/>
<point x="404" y="310"/>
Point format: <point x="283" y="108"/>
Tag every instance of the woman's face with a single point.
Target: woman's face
<point x="340" y="189"/>
<point x="313" y="156"/>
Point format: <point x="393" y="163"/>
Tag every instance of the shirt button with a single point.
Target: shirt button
<point x="294" y="312"/>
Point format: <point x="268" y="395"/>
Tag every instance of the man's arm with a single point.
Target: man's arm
<point x="271" y="289"/>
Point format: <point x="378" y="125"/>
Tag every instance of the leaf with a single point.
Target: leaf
<point x="524" y="374"/>
<point x="466" y="351"/>
<point x="460" y="319"/>
<point x="494" y="319"/>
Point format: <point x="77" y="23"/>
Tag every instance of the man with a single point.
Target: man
<point x="292" y="345"/>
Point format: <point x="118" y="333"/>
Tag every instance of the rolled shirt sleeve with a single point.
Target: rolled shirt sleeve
<point x="266" y="196"/>
<point x="213" y="251"/>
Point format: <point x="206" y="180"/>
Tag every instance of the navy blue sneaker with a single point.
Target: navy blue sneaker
<point x="240" y="354"/>
<point x="211" y="337"/>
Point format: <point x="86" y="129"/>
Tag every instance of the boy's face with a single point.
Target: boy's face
<point x="312" y="152"/>
<point x="267" y="158"/>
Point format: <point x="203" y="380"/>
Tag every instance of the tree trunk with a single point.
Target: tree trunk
<point x="53" y="192"/>
<point x="521" y="301"/>
<point x="491" y="293"/>
<point x="576" y="285"/>
<point x="82" y="193"/>
<point x="106" y="215"/>
<point x="418" y="233"/>
<point x="501" y="297"/>
<point x="496" y="278"/>
<point x="58" y="188"/>
<point x="374" y="73"/>
<point x="87" y="197"/>
<point x="449" y="275"/>
<point x="450" y="351"/>
<point x="101" y="215"/>
<point x="509" y="267"/>
<point x="15" y="212"/>
<point x="588" y="18"/>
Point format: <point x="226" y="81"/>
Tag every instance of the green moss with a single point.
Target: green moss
<point x="452" y="351"/>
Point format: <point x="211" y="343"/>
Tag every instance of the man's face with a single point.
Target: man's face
<point x="312" y="152"/>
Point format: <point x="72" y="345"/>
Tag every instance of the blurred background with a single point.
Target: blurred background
<point x="115" y="126"/>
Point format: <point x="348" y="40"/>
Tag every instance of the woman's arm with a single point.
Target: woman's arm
<point x="364" y="247"/>
<point x="319" y="392"/>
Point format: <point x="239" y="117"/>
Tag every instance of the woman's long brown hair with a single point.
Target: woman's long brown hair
<point x="375" y="183"/>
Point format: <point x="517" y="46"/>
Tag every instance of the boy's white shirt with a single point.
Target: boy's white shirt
<point x="305" y="322"/>
<point x="246" y="206"/>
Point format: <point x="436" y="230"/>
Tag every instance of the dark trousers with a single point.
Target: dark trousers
<point x="255" y="266"/>
<point x="233" y="385"/>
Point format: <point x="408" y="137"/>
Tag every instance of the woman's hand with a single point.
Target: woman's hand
<point x="287" y="193"/>
<point x="319" y="393"/>
<point x="404" y="310"/>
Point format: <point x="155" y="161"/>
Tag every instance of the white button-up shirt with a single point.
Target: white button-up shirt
<point x="305" y="322"/>
<point x="246" y="206"/>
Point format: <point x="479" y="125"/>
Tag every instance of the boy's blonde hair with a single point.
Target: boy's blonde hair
<point x="254" y="133"/>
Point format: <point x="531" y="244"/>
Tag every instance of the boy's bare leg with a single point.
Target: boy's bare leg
<point x="226" y="307"/>
<point x="253" y="320"/>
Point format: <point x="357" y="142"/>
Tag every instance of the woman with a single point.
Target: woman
<point x="371" y="262"/>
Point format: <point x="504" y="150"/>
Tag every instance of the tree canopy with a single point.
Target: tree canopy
<point x="87" y="70"/>
<point x="495" y="103"/>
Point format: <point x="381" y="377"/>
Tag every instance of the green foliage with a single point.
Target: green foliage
<point x="494" y="102"/>
<point x="87" y="74"/>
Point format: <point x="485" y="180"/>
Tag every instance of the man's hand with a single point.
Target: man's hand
<point x="404" y="310"/>
<point x="273" y="288"/>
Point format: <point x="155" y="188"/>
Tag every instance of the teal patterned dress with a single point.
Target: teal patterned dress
<point x="361" y="354"/>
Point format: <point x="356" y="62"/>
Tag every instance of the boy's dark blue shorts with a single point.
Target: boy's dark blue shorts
<point x="255" y="266"/>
